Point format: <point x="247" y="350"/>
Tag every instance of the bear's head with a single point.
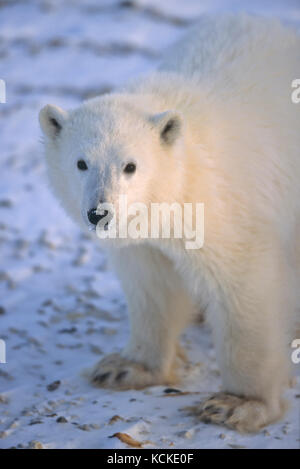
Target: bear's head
<point x="112" y="146"/>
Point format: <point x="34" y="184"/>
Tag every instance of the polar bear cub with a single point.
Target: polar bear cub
<point x="214" y="124"/>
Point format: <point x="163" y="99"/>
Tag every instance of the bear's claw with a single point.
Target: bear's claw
<point x="117" y="372"/>
<point x="238" y="413"/>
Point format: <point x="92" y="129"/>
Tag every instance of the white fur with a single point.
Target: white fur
<point x="237" y="150"/>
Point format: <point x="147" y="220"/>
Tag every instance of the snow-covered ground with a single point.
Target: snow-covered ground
<point x="60" y="309"/>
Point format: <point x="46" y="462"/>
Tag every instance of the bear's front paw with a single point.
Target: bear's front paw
<point x="117" y="372"/>
<point x="238" y="413"/>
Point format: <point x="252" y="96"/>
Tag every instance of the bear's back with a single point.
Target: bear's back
<point x="229" y="46"/>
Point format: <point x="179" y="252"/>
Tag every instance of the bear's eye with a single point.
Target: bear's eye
<point x="81" y="164"/>
<point x="130" y="168"/>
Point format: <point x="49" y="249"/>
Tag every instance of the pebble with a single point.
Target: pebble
<point x="3" y="399"/>
<point x="84" y="427"/>
<point x="34" y="444"/>
<point x="95" y="426"/>
<point x="70" y="330"/>
<point x="6" y="203"/>
<point x="53" y="386"/>
<point x="285" y="429"/>
<point x="96" y="350"/>
<point x="114" y="419"/>
<point x="15" y="424"/>
<point x="171" y="390"/>
<point x="61" y="420"/>
<point x="35" y="422"/>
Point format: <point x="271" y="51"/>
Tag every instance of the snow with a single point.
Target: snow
<point x="61" y="309"/>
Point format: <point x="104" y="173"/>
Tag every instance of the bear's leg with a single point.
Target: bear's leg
<point x="159" y="309"/>
<point x="251" y="348"/>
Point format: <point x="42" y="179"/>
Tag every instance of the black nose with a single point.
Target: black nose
<point x="94" y="217"/>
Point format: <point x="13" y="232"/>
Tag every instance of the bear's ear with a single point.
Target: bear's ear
<point x="169" y="125"/>
<point x="52" y="120"/>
